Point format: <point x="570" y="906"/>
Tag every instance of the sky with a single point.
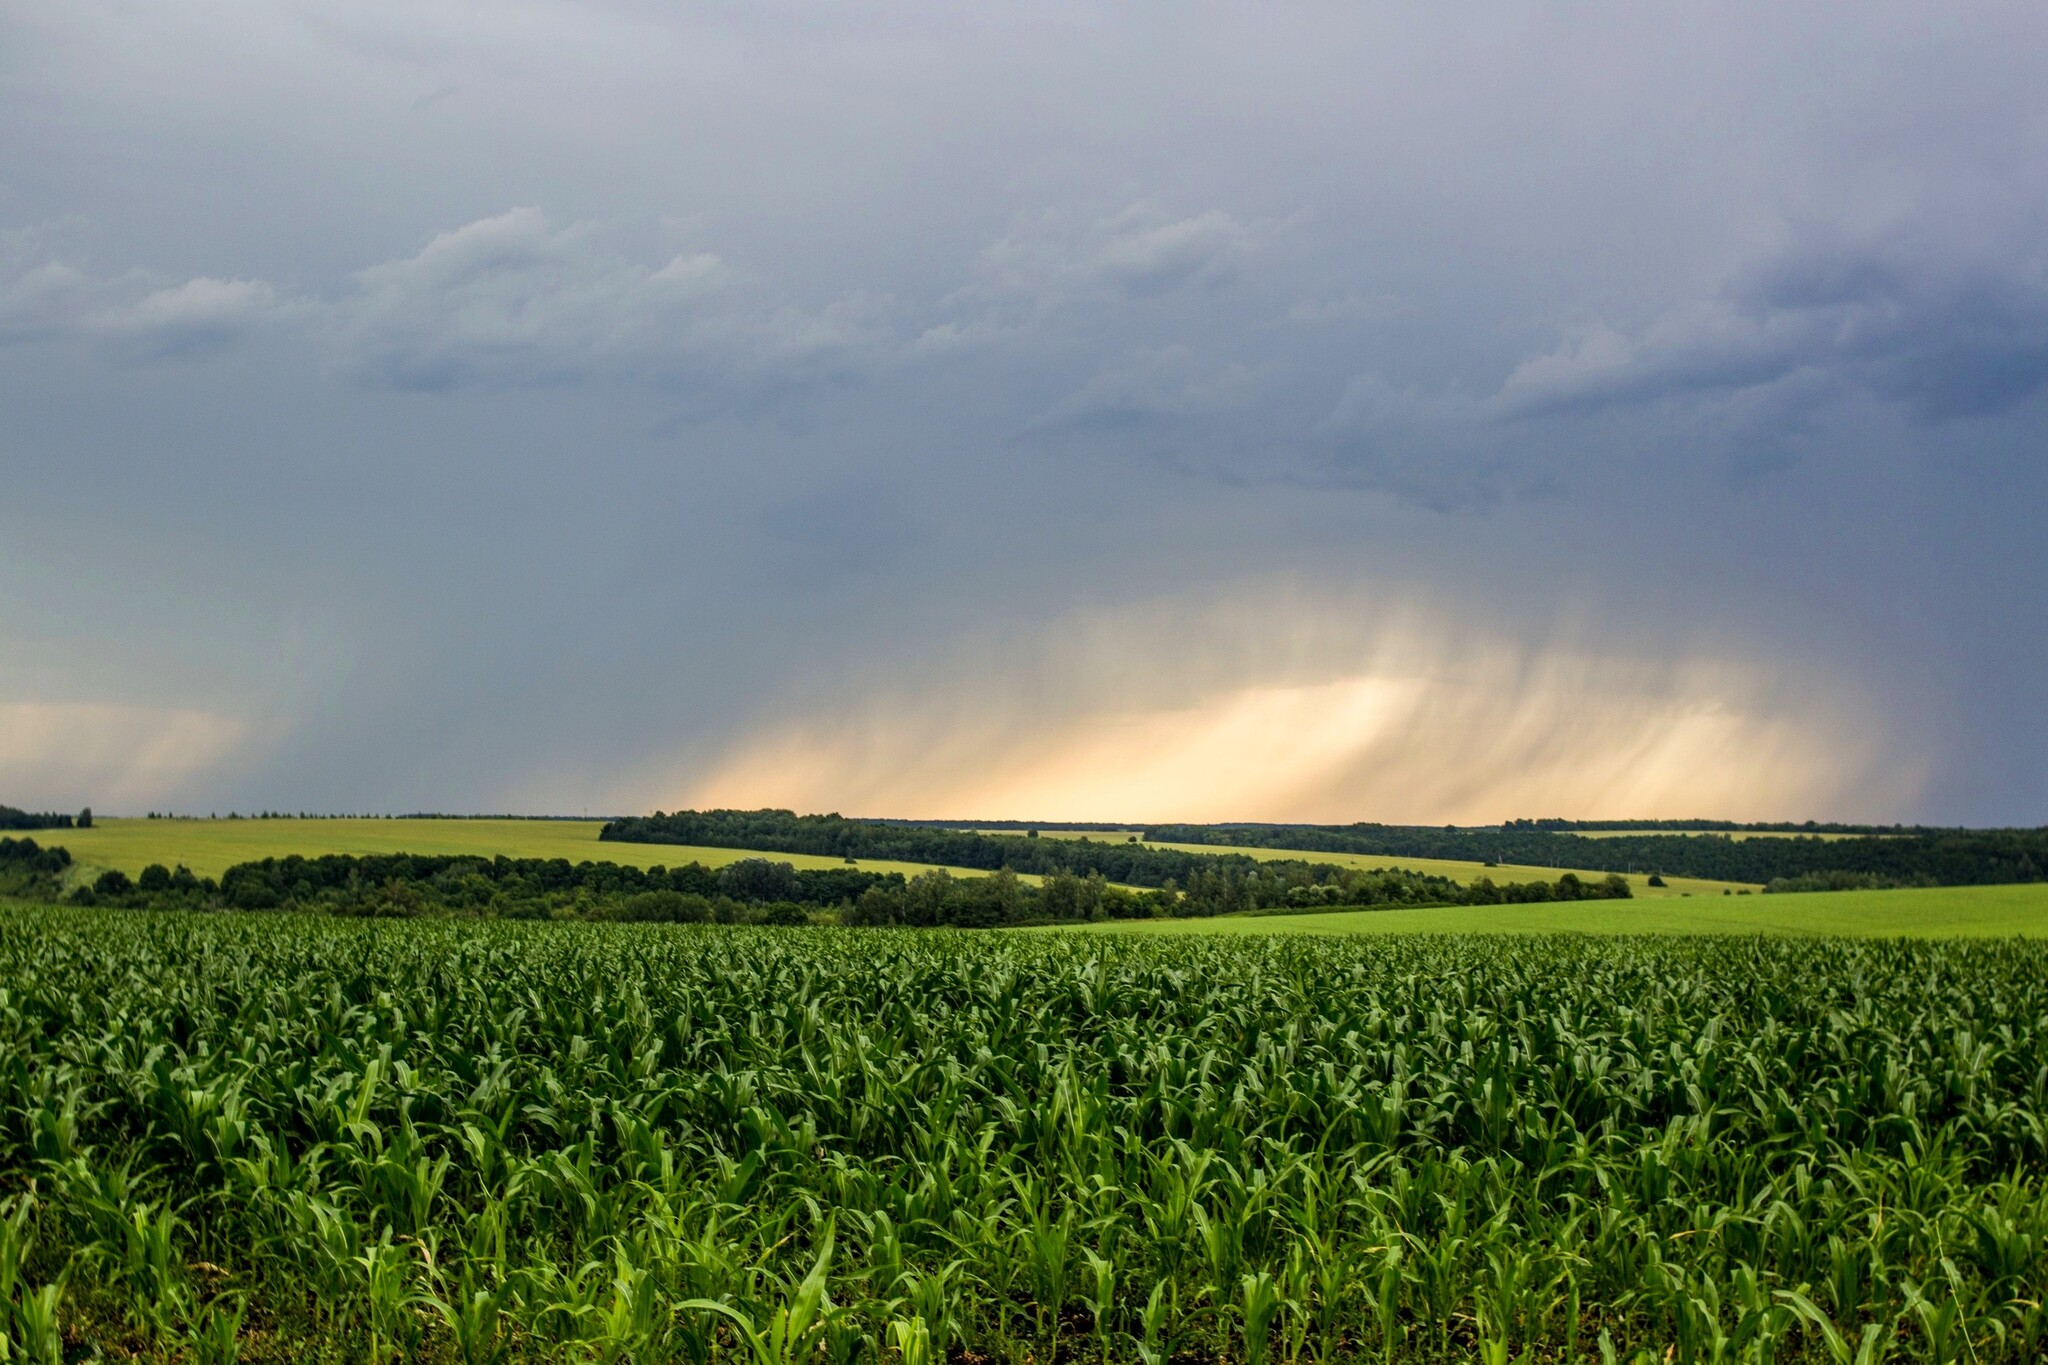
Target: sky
<point x="1195" y="411"/>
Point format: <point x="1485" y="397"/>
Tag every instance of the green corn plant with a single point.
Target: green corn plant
<point x="628" y="1325"/>
<point x="1609" y="1356"/>
<point x="933" y="1297"/>
<point x="36" y="1337"/>
<point x="17" y="1239"/>
<point x="150" y="1262"/>
<point x="1046" y="1244"/>
<point x="1869" y="1348"/>
<point x="213" y="1335"/>
<point x="475" y="1319"/>
<point x="1297" y="1301"/>
<point x="1155" y="1344"/>
<point x="1258" y="1305"/>
<point x="793" y="1330"/>
<point x="911" y="1340"/>
<point x="1941" y="1325"/>
<point x="388" y="1299"/>
<point x="28" y="1318"/>
<point x="1387" y="1304"/>
<point x="1101" y="1295"/>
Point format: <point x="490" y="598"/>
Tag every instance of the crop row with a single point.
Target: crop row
<point x="295" y="1138"/>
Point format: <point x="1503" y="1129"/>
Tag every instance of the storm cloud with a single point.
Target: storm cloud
<point x="600" y="404"/>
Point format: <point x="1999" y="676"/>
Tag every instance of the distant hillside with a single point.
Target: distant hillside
<point x="1799" y="862"/>
<point x="1939" y="858"/>
<point x="1696" y="826"/>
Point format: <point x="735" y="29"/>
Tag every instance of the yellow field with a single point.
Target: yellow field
<point x="210" y="847"/>
<point x="1920" y="912"/>
<point x="1441" y="867"/>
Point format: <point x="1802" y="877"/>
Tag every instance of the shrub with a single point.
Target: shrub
<point x="662" y="907"/>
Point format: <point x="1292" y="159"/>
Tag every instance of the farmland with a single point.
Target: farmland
<point x="1737" y="834"/>
<point x="1639" y="883"/>
<point x="1918" y="912"/>
<point x="301" y="1138"/>
<point x="210" y="847"/>
<point x="1456" y="869"/>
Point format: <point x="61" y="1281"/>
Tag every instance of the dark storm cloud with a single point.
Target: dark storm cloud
<point x="410" y="405"/>
<point x="1907" y="322"/>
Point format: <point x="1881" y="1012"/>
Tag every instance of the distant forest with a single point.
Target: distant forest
<point x="10" y="818"/>
<point x="1721" y="826"/>
<point x="1191" y="883"/>
<point x="834" y="836"/>
<point x="1930" y="858"/>
<point x="1934" y="858"/>
<point x="750" y="891"/>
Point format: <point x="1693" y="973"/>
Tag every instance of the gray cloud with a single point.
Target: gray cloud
<point x="510" y="300"/>
<point x="1051" y="264"/>
<point x="199" y="315"/>
<point x="1170" y="383"/>
<point x="689" y="355"/>
<point x="1901" y="320"/>
<point x="132" y="316"/>
<point x="516" y="299"/>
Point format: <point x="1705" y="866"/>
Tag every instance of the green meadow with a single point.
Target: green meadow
<point x="1440" y="867"/>
<point x="1929" y="912"/>
<point x="211" y="847"/>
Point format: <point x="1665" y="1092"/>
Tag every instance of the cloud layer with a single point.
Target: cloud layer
<point x="605" y="381"/>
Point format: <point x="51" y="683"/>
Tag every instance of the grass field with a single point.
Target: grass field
<point x="285" y="1138"/>
<point x="210" y="847"/>
<point x="1723" y="833"/>
<point x="1441" y="867"/>
<point x="1934" y="912"/>
<point x="1468" y="872"/>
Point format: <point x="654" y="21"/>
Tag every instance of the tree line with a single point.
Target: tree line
<point x="13" y="818"/>
<point x="1696" y="826"/>
<point x="835" y="836"/>
<point x="1938" y="858"/>
<point x="1935" y="857"/>
<point x="403" y="884"/>
<point x="1003" y="898"/>
<point x="762" y="891"/>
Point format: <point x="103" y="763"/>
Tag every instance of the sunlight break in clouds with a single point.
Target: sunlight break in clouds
<point x="1322" y="713"/>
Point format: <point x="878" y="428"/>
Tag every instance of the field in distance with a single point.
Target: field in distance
<point x="1735" y="834"/>
<point x="1921" y="912"/>
<point x="211" y="847"/>
<point x="1441" y="867"/>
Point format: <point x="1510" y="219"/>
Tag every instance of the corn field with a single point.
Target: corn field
<point x="293" y="1139"/>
